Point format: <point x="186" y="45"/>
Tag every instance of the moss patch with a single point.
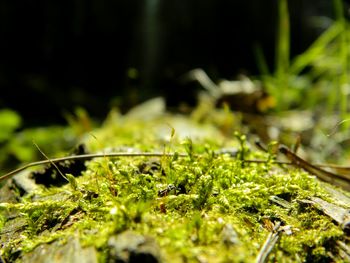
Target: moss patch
<point x="206" y="207"/>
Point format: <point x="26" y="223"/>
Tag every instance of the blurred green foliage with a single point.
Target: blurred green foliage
<point x="318" y="75"/>
<point x="16" y="142"/>
<point x="9" y="122"/>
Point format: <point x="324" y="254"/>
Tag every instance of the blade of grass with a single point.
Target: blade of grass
<point x="282" y="50"/>
<point x="265" y="74"/>
<point x="314" y="52"/>
<point x="261" y="60"/>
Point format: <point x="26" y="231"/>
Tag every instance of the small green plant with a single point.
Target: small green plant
<point x="243" y="147"/>
<point x="272" y="150"/>
<point x="188" y="145"/>
<point x="204" y="190"/>
<point x="72" y="181"/>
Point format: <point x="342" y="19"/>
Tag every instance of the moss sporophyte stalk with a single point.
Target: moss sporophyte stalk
<point x="200" y="206"/>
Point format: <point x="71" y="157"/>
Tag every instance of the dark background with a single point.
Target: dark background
<point x="59" y="54"/>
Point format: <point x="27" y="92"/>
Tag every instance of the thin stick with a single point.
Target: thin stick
<point x="269" y="244"/>
<point x="341" y="180"/>
<point x="86" y="157"/>
<point x="334" y="129"/>
<point x="147" y="154"/>
<point x="321" y="165"/>
<point x="54" y="165"/>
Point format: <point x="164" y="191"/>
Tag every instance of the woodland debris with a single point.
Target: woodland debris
<point x="342" y="181"/>
<point x="336" y="194"/>
<point x="337" y="213"/>
<point x="280" y="201"/>
<point x="241" y="95"/>
<point x="269" y="244"/>
<point x="229" y="235"/>
<point x="343" y="250"/>
<point x="60" y="252"/>
<point x="20" y="185"/>
<point x="131" y="247"/>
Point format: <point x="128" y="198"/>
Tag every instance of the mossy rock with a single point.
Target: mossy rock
<point x="207" y="206"/>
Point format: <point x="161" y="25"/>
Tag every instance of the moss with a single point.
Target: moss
<point x="187" y="220"/>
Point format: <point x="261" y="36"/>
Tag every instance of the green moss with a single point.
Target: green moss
<point x="187" y="221"/>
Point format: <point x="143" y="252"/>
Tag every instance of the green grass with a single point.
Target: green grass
<point x="320" y="75"/>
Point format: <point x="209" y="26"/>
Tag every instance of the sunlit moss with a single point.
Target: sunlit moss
<point x="210" y="191"/>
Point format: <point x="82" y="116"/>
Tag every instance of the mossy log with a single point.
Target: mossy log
<point x="200" y="207"/>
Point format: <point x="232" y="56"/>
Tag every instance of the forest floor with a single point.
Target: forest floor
<point x="182" y="189"/>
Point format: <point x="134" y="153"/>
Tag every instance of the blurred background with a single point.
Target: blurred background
<point x="96" y="54"/>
